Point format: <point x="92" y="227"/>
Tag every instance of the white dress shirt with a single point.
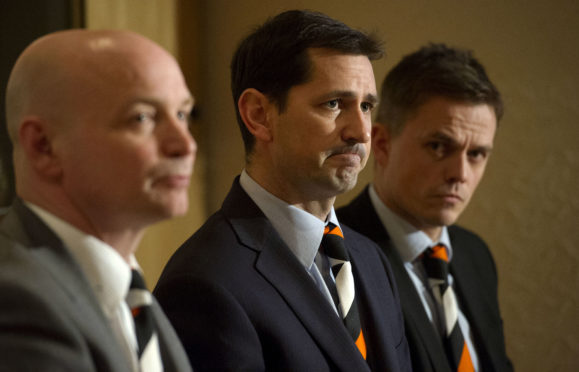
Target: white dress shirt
<point x="301" y="231"/>
<point x="108" y="274"/>
<point x="410" y="243"/>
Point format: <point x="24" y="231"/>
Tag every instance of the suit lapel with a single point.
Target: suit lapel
<point x="50" y="255"/>
<point x="283" y="271"/>
<point x="416" y="319"/>
<point x="469" y="292"/>
<point x="417" y="322"/>
<point x="172" y="353"/>
<point x="374" y="311"/>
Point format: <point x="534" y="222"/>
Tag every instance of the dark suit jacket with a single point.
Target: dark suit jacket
<point x="50" y="319"/>
<point x="241" y="301"/>
<point x="475" y="283"/>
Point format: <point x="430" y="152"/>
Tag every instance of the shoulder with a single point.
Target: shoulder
<point x="351" y="212"/>
<point x="356" y="239"/>
<point x="462" y="234"/>
<point x="465" y="241"/>
<point x="217" y="252"/>
<point x="470" y="250"/>
<point x="33" y="319"/>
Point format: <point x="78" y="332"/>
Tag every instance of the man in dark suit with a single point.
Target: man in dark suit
<point x="433" y="135"/>
<point x="252" y="290"/>
<point x="99" y="124"/>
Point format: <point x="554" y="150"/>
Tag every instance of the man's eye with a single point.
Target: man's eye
<point x="477" y="155"/>
<point x="437" y="148"/>
<point x="366" y="106"/>
<point x="183" y="115"/>
<point x="333" y="104"/>
<point x="144" y="117"/>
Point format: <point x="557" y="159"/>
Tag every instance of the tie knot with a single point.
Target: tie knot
<point x="435" y="262"/>
<point x="332" y="229"/>
<point x="333" y="242"/>
<point x="138" y="295"/>
<point x="438" y="252"/>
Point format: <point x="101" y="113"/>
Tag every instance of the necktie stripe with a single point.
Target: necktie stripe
<point x="139" y="300"/>
<point x="361" y="344"/>
<point x="465" y="364"/>
<point x="345" y="281"/>
<point x="450" y="311"/>
<point x="333" y="246"/>
<point x="435" y="262"/>
<point x="333" y="230"/>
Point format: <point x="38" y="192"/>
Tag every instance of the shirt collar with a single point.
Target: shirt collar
<point x="107" y="272"/>
<point x="408" y="241"/>
<point x="301" y="231"/>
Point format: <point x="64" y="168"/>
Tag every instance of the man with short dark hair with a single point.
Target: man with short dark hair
<point x="433" y="136"/>
<point x="252" y="290"/>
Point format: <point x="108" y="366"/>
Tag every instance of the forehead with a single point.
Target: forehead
<point x="333" y="70"/>
<point x="455" y="119"/>
<point x="128" y="77"/>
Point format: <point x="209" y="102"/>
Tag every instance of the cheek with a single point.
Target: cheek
<point x="131" y="153"/>
<point x="368" y="147"/>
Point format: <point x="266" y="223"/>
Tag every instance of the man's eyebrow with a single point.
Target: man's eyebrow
<point x="155" y="102"/>
<point x="372" y="98"/>
<point x="451" y="141"/>
<point x="189" y="101"/>
<point x="443" y="137"/>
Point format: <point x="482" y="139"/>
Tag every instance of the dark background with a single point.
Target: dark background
<point x="21" y="22"/>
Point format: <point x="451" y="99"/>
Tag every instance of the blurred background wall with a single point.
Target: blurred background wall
<point x="526" y="207"/>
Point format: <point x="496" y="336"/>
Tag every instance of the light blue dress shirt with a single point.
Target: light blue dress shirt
<point x="301" y="231"/>
<point x="410" y="243"/>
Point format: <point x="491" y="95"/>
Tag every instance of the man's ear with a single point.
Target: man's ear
<point x="381" y="139"/>
<point x="254" y="109"/>
<point x="36" y="144"/>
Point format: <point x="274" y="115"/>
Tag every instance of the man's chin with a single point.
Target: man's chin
<point x="347" y="178"/>
<point x="446" y="219"/>
<point x="173" y="206"/>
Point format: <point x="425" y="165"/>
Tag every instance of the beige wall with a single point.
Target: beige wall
<point x="526" y="208"/>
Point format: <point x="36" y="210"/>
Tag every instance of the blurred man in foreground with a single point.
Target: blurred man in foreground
<point x="99" y="124"/>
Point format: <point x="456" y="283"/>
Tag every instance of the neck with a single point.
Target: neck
<point x="125" y="242"/>
<point x="123" y="239"/>
<point x="433" y="233"/>
<point x="320" y="209"/>
<point x="319" y="206"/>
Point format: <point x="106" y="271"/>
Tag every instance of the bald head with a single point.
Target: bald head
<point x="63" y="68"/>
<point x="85" y="108"/>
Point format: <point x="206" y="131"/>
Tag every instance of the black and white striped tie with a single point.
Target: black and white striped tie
<point x="139" y="300"/>
<point x="333" y="246"/>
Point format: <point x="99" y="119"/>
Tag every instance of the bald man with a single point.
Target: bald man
<point x="99" y="124"/>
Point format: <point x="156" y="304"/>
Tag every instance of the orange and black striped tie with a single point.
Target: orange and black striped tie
<point x="333" y="246"/>
<point x="436" y="265"/>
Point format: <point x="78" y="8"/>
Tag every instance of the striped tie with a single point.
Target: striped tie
<point x="139" y="300"/>
<point x="333" y="246"/>
<point x="436" y="266"/>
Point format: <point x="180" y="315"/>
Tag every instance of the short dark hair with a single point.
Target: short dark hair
<point x="435" y="70"/>
<point x="274" y="57"/>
